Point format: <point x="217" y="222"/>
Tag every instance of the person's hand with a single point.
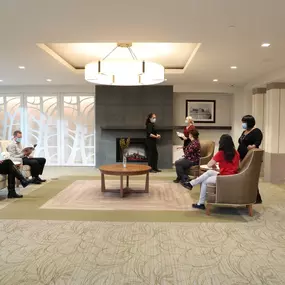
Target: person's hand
<point x="158" y="136"/>
<point x="251" y="147"/>
<point x="30" y="156"/>
<point x="184" y="138"/>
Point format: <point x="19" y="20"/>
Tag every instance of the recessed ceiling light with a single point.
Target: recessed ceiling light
<point x="233" y="67"/>
<point x="215" y="80"/>
<point x="265" y="45"/>
<point x="1" y="80"/>
<point x="49" y="80"/>
<point x="21" y="67"/>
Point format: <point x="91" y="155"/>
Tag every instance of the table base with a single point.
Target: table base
<point x="124" y="190"/>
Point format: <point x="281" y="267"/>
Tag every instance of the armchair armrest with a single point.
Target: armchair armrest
<point x="204" y="160"/>
<point x="235" y="189"/>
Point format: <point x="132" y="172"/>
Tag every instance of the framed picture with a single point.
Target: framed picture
<point x="202" y="111"/>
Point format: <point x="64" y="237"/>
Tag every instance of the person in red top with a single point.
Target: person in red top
<point x="228" y="159"/>
<point x="192" y="153"/>
<point x="189" y="127"/>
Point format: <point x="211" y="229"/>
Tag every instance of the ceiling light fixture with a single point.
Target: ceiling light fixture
<point x="21" y="67"/>
<point x="266" y="45"/>
<point x="48" y="80"/>
<point x="215" y="80"/>
<point x="1" y="80"/>
<point x="233" y="67"/>
<point x="124" y="72"/>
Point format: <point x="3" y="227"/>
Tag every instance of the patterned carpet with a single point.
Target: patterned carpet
<point x="57" y="252"/>
<point x="69" y="247"/>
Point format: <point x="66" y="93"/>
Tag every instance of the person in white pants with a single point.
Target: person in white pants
<point x="228" y="159"/>
<point x="208" y="177"/>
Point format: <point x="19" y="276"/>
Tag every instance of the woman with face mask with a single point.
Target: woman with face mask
<point x="250" y="138"/>
<point x="151" y="138"/>
<point x="189" y="126"/>
<point x="192" y="154"/>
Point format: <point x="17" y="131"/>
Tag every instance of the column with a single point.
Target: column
<point x="258" y="98"/>
<point x="274" y="133"/>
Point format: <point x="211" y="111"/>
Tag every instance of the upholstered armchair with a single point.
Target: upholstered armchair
<point x="207" y="152"/>
<point x="239" y="189"/>
<point x="25" y="169"/>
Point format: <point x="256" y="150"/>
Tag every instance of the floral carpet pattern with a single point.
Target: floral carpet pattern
<point x="60" y="252"/>
<point x="73" y="252"/>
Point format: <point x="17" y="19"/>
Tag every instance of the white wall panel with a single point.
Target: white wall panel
<point x="61" y="124"/>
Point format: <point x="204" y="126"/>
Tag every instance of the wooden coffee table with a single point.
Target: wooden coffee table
<point x="129" y="170"/>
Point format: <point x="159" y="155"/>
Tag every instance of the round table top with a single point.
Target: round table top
<point x="130" y="169"/>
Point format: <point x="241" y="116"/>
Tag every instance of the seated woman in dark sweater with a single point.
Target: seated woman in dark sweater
<point x="250" y="138"/>
<point x="192" y="154"/>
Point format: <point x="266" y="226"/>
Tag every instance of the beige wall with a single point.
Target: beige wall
<point x="224" y="105"/>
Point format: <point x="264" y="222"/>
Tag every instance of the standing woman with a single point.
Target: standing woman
<point x="250" y="138"/>
<point x="151" y="138"/>
<point x="189" y="127"/>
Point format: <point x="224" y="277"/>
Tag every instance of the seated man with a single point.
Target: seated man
<point x="16" y="151"/>
<point x="7" y="167"/>
<point x="192" y="153"/>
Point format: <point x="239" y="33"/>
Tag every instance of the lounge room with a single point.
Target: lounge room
<point x="142" y="149"/>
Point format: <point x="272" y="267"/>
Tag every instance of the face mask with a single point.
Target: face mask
<point x="18" y="140"/>
<point x="153" y="120"/>
<point x="244" y="126"/>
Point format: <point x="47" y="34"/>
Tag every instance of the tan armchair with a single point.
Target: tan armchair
<point x="239" y="189"/>
<point x="26" y="169"/>
<point x="207" y="152"/>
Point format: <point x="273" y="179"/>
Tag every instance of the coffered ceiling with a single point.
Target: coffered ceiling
<point x="210" y="35"/>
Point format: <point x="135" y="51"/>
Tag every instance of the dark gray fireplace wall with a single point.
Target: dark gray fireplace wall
<point x="121" y="112"/>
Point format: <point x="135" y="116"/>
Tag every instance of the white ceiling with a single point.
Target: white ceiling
<point x="170" y="55"/>
<point x="23" y="24"/>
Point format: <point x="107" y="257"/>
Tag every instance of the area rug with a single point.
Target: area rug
<point x="87" y="195"/>
<point x="35" y="202"/>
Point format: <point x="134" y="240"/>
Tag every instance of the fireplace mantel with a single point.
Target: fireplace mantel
<point x="124" y="128"/>
<point x="170" y="128"/>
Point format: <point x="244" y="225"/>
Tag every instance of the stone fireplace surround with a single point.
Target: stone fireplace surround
<point x="121" y="112"/>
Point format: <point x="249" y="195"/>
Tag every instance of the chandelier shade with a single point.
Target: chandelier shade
<point x="121" y="72"/>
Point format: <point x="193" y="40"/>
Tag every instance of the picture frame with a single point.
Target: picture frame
<point x="202" y="111"/>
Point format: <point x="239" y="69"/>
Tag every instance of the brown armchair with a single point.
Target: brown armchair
<point x="207" y="152"/>
<point x="238" y="189"/>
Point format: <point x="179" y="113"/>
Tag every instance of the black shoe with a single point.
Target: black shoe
<point x="187" y="185"/>
<point x="12" y="194"/>
<point x="25" y="182"/>
<point x="201" y="206"/>
<point x="152" y="171"/>
<point x="41" y="180"/>
<point x="157" y="170"/>
<point x="177" y="180"/>
<point x="35" y="181"/>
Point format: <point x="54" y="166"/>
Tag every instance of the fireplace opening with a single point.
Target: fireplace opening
<point x="136" y="152"/>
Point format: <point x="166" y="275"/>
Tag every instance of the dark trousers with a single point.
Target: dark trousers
<point x="182" y="167"/>
<point x="152" y="154"/>
<point x="7" y="167"/>
<point x="37" y="165"/>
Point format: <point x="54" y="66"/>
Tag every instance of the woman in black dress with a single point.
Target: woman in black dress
<point x="151" y="137"/>
<point x="250" y="138"/>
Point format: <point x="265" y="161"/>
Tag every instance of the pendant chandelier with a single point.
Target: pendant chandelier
<point x="124" y="72"/>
